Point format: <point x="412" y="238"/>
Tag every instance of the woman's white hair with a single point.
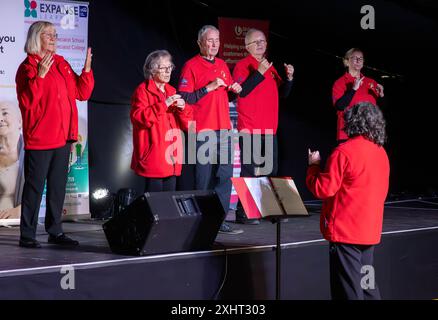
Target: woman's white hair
<point x="151" y="62"/>
<point x="33" y="40"/>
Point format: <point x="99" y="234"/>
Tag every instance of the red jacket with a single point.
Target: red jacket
<point x="151" y="121"/>
<point x="353" y="186"/>
<point x="211" y="112"/>
<point x="367" y="92"/>
<point x="48" y="105"/>
<point x="259" y="109"/>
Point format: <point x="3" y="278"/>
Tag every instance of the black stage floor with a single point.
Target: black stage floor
<point x="401" y="218"/>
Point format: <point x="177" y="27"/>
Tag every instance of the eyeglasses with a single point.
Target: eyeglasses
<point x="50" y="35"/>
<point x="166" y="69"/>
<point x="257" y="42"/>
<point x="357" y="59"/>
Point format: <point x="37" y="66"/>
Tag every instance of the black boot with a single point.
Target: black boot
<point x="62" y="240"/>
<point x="241" y="218"/>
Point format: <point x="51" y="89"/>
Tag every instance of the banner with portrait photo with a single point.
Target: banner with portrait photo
<point x="71" y="21"/>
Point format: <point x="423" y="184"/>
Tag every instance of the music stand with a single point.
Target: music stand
<point x="271" y="198"/>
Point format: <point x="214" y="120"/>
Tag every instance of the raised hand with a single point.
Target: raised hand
<point x="289" y="71"/>
<point x="264" y="66"/>
<point x="357" y="83"/>
<point x="45" y="64"/>
<point x="380" y="90"/>
<point x="87" y="65"/>
<point x="314" y="158"/>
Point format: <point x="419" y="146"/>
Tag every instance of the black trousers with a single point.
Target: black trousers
<point x="41" y="166"/>
<point x="160" y="184"/>
<point x="350" y="276"/>
<point x="248" y="152"/>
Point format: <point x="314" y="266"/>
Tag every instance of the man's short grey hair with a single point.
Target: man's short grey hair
<point x="250" y="32"/>
<point x="33" y="41"/>
<point x="151" y="62"/>
<point x="204" y="30"/>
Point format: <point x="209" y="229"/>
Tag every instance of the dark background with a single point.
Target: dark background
<point x="311" y="35"/>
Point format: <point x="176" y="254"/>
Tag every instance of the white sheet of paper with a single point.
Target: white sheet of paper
<point x="264" y="197"/>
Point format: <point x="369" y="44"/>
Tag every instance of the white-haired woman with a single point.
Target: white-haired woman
<point x="353" y="87"/>
<point x="47" y="89"/>
<point x="158" y="114"/>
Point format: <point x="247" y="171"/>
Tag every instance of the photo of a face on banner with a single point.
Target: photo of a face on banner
<point x="11" y="159"/>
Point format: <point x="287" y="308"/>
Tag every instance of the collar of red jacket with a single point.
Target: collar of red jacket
<point x="152" y="87"/>
<point x="34" y="59"/>
<point x="349" y="77"/>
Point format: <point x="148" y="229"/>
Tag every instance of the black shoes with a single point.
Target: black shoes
<point x="29" y="243"/>
<point x="227" y="229"/>
<point x="62" y="240"/>
<point x="242" y="219"/>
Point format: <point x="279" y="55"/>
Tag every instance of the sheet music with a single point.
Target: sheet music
<point x="264" y="197"/>
<point x="289" y="196"/>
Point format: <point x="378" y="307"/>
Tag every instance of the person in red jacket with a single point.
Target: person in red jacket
<point x="353" y="87"/>
<point x="257" y="108"/>
<point x="354" y="186"/>
<point x="47" y="89"/>
<point x="158" y="114"/>
<point x="205" y="83"/>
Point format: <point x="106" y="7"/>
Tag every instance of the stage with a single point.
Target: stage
<point x="238" y="266"/>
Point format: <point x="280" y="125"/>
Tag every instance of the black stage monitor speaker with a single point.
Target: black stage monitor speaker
<point x="165" y="222"/>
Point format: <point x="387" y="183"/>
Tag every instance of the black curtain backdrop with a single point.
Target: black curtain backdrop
<point x="310" y="35"/>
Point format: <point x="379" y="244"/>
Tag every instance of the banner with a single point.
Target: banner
<point x="71" y="23"/>
<point x="233" y="32"/>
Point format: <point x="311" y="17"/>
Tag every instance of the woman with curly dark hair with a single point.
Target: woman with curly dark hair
<point x="354" y="186"/>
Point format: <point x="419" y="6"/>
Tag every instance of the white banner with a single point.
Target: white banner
<point x="71" y="22"/>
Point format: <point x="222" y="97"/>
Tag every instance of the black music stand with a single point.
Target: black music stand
<point x="281" y="191"/>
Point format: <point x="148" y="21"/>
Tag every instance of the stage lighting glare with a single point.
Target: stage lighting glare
<point x="100" y="194"/>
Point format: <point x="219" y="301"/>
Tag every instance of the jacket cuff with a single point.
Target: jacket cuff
<point x="313" y="169"/>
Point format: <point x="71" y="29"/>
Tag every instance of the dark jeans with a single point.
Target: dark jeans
<point x="216" y="174"/>
<point x="39" y="166"/>
<point x="346" y="263"/>
<point x="160" y="184"/>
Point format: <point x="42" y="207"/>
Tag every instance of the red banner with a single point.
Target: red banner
<point x="233" y="32"/>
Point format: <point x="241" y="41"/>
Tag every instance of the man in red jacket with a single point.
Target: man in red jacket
<point x="47" y="89"/>
<point x="257" y="108"/>
<point x="354" y="187"/>
<point x="204" y="84"/>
